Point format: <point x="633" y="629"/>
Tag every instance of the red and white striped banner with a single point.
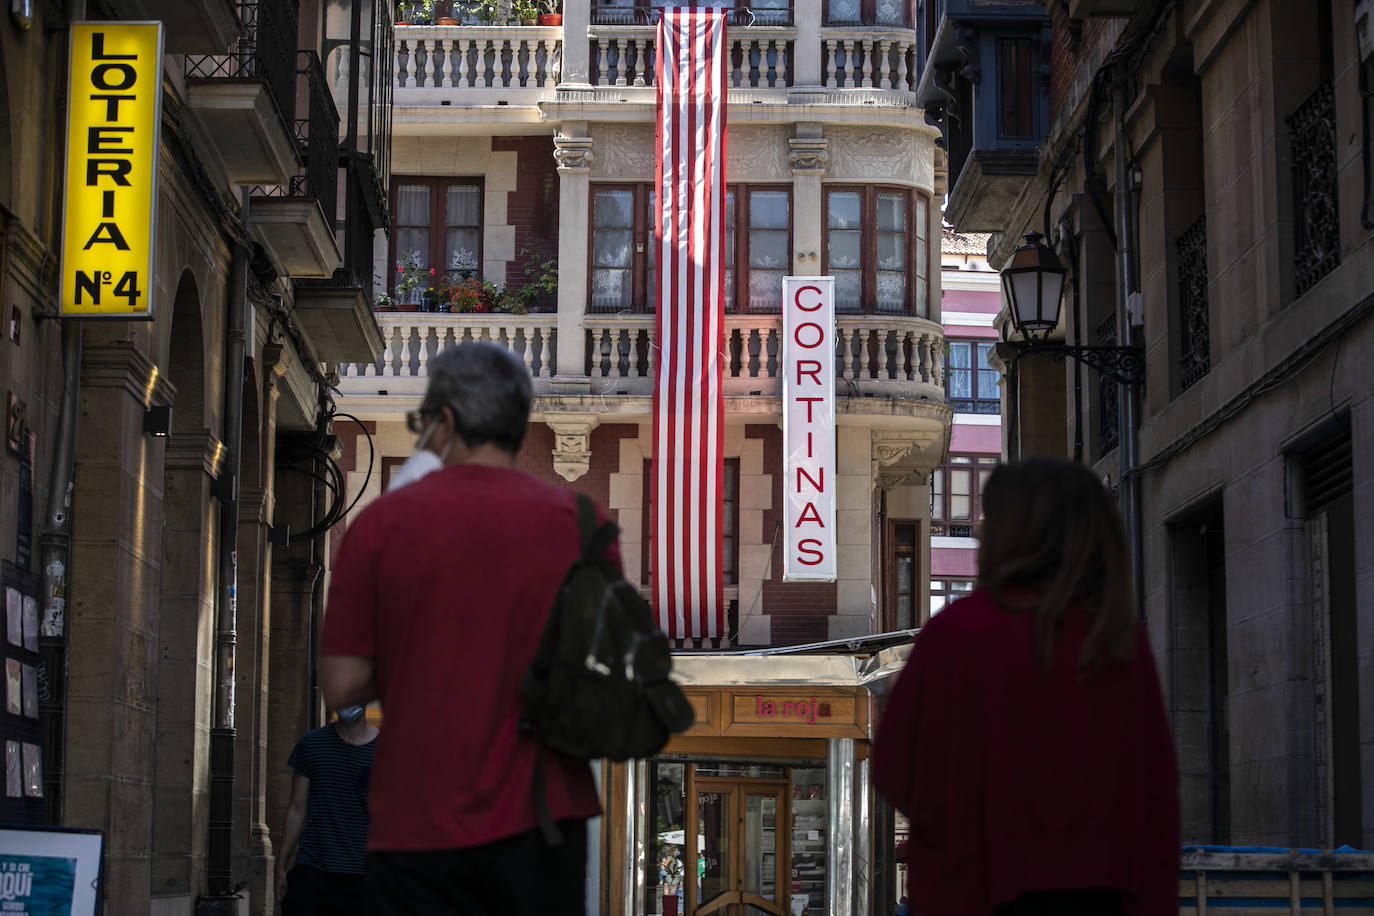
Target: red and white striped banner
<point x="690" y="235"/>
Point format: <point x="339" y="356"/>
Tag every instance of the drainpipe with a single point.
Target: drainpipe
<point x="55" y="550"/>
<point x="55" y="544"/>
<point x="222" y="733"/>
<point x="1126" y="395"/>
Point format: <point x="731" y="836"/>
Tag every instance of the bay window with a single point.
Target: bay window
<point x="955" y="491"/>
<point x="970" y="382"/>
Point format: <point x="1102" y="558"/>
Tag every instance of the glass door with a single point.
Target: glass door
<point x="738" y="837"/>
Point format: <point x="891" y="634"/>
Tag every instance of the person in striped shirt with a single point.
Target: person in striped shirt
<point x="321" y="864"/>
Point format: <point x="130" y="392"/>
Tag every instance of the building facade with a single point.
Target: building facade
<point x="522" y="178"/>
<point x="170" y="537"/>
<point x="1203" y="175"/>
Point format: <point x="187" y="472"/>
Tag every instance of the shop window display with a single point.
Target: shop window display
<point x="737" y="838"/>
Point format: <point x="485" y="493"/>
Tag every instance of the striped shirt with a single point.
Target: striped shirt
<point x="334" y="836"/>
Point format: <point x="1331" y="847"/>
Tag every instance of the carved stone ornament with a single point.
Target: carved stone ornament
<point x="755" y="153"/>
<point x="808" y="155"/>
<point x="904" y="456"/>
<point x="627" y="150"/>
<point x="870" y="154"/>
<point x="572" y="445"/>
<point x="573" y="153"/>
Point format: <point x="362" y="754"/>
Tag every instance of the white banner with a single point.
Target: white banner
<point x="808" y="428"/>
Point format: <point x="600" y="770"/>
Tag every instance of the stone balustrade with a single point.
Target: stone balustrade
<point x="760" y="57"/>
<point x="876" y="355"/>
<point x="855" y="58"/>
<point x="498" y="59"/>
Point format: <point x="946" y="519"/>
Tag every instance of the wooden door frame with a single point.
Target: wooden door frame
<point x="738" y="786"/>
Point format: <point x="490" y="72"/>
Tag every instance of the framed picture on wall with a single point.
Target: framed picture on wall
<point x="52" y="870"/>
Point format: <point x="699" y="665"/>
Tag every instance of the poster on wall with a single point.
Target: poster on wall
<point x="50" y="871"/>
<point x="808" y="429"/>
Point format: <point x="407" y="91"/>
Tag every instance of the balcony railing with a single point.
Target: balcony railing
<point x="1195" y="329"/>
<point x="1312" y="132"/>
<point x="500" y="59"/>
<point x="265" y="50"/>
<point x="648" y="12"/>
<point x="760" y="57"/>
<point x="884" y="355"/>
<point x="317" y="142"/>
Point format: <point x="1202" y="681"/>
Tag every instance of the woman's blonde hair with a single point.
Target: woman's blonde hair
<point x="1051" y="540"/>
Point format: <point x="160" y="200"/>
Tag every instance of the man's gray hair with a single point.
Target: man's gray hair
<point x="488" y="390"/>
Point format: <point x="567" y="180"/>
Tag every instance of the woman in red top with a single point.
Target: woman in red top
<point x="1026" y="739"/>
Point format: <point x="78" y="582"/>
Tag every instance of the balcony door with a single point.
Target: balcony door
<point x="738" y="835"/>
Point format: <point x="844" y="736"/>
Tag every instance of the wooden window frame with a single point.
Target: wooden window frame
<point x="868" y="16"/>
<point x="940" y="520"/>
<point x="944" y="589"/>
<point x="438" y="224"/>
<point x="642" y="298"/>
<point x="868" y="268"/>
<point x="974" y="368"/>
<point x="891" y="552"/>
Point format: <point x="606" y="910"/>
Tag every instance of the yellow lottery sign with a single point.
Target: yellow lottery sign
<point x="114" y="112"/>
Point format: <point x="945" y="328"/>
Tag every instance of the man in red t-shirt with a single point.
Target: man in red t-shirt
<point x="438" y="597"/>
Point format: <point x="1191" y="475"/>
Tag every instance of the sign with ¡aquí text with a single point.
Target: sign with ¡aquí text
<point x="808" y="429"/>
<point x="109" y="212"/>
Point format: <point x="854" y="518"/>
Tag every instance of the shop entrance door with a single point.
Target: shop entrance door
<point x="738" y="847"/>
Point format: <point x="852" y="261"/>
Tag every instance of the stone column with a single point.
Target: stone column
<point x="573" y="153"/>
<point x="807" y="154"/>
<point x="111" y="746"/>
<point x="806" y="59"/>
<point x="576" y="48"/>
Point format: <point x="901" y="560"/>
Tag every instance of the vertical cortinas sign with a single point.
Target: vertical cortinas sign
<point x="114" y="111"/>
<point x="808" y="428"/>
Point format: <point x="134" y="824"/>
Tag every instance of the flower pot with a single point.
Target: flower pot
<point x="447" y="20"/>
<point x="407" y="307"/>
<point x="550" y="18"/>
<point x="384" y="308"/>
<point x="529" y="20"/>
<point x="403" y="22"/>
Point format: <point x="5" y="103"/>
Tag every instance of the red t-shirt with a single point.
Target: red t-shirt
<point x="1018" y="779"/>
<point x="446" y="583"/>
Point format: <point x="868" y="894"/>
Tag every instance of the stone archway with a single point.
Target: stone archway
<point x="186" y="614"/>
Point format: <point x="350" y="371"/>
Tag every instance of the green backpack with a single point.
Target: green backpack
<point x="598" y="686"/>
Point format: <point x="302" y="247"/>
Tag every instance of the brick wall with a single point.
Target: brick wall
<point x="798" y="610"/>
<point x="536" y="458"/>
<point x="532" y="208"/>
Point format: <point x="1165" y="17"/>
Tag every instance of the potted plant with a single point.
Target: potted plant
<point x="470" y="295"/>
<point x="541" y="277"/>
<point x="384" y="303"/>
<point x="422" y="12"/>
<point x="527" y="11"/>
<point x="446" y="13"/>
<point x="553" y="12"/>
<point x="408" y="281"/>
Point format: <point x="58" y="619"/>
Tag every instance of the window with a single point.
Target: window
<point x="866" y="12"/>
<point x="943" y="591"/>
<point x="758" y="248"/>
<point x="902" y="576"/>
<point x="954" y="494"/>
<point x="876" y="249"/>
<point x="970" y="383"/>
<point x="438" y="224"/>
<point x="729" y="524"/>
<point x="1015" y="90"/>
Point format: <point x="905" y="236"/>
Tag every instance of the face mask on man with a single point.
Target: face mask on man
<point x="421" y="461"/>
<point x="350" y="714"/>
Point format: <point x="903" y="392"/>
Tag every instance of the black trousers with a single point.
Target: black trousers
<point x="517" y="876"/>
<point x="1064" y="903"/>
<point x="312" y="892"/>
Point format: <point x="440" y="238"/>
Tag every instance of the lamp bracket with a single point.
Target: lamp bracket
<point x="1123" y="365"/>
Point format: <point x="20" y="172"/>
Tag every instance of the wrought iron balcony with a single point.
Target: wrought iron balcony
<point x="295" y="219"/>
<point x="1195" y="334"/>
<point x="1312" y="133"/>
<point x="246" y="98"/>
